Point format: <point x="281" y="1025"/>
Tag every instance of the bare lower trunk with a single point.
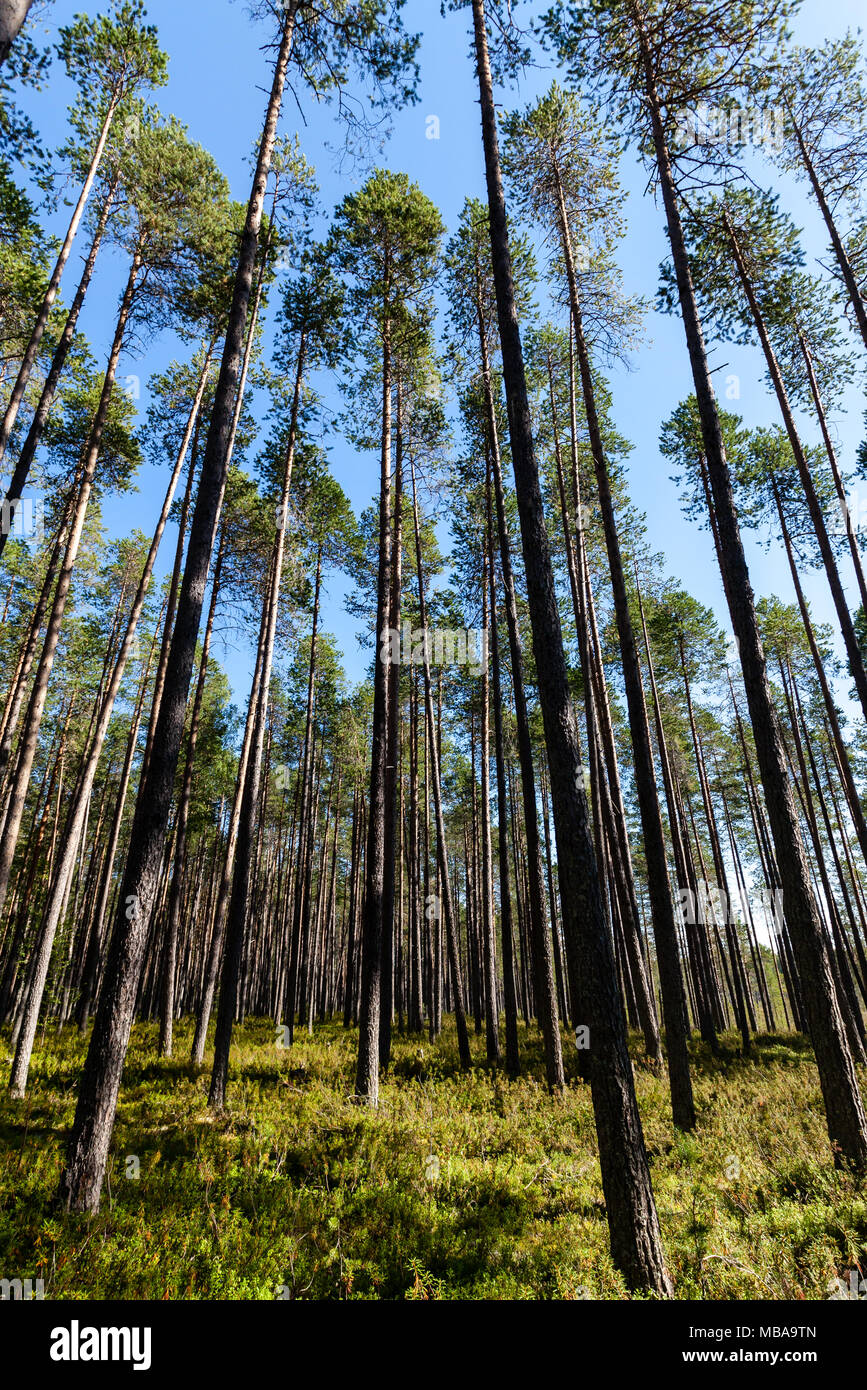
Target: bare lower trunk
<point x="546" y="1000"/>
<point x="247" y="824"/>
<point x="662" y="909"/>
<point x="17" y="396"/>
<point x="38" y="695"/>
<point x="444" y="899"/>
<point x="635" y="1239"/>
<point x="170" y="956"/>
<point x="21" y="471"/>
<point x="847" y="1125"/>
<point x="513" y="1061"/>
<point x="489" y="965"/>
<point x="367" y="1072"/>
<point x="75" y="830"/>
<point x="88" y="1152"/>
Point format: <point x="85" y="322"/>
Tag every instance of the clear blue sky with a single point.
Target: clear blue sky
<point x="217" y="88"/>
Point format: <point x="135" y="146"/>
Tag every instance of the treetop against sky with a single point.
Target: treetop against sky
<point x="215" y="87"/>
<point x="566" y="366"/>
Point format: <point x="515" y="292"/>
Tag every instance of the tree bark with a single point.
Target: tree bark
<point x="848" y="274"/>
<point x="36" y="705"/>
<point x="444" y="902"/>
<point x="635" y="1239"/>
<point x="15" y="399"/>
<point x="661" y="907"/>
<point x="513" y="1059"/>
<point x="844" y="617"/>
<point x="847" y="1125"/>
<point x="75" y="833"/>
<point x="241" y="882"/>
<point x="546" y="999"/>
<point x="372" y="919"/>
<point x="88" y="1152"/>
<point x="21" y="471"/>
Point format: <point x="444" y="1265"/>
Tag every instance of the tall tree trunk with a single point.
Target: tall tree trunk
<point x="513" y="1059"/>
<point x="88" y="1152"/>
<point x="241" y="882"/>
<point x="14" y="404"/>
<point x="635" y="1239"/>
<point x="36" y="706"/>
<point x="661" y="906"/>
<point x="846" y="271"/>
<point x="546" y="999"/>
<point x="170" y="947"/>
<point x="847" y="1125"/>
<point x="75" y="830"/>
<point x="829" y="560"/>
<point x="215" y="948"/>
<point x="15" y="699"/>
<point x="486" y="920"/>
<point x="722" y="882"/>
<point x="92" y="957"/>
<point x="393" y="753"/>
<point x="12" y="16"/>
<point x="306" y="819"/>
<point x="444" y="903"/>
<point x="373" y="926"/>
<point x="852" y="797"/>
<point x="21" y="471"/>
<point x="835" y="469"/>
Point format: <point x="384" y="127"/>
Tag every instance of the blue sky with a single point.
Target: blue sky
<point x="217" y="83"/>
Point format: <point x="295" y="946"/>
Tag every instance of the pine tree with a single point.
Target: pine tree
<point x="636" y="1245"/>
<point x="649" y="62"/>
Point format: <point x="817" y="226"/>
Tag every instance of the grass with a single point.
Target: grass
<point x="461" y="1185"/>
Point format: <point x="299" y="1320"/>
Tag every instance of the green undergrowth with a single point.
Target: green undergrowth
<point x="461" y="1185"/>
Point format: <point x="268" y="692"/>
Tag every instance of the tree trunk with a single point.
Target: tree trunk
<point x="75" y="830"/>
<point x="21" y="471"/>
<point x="835" y="469"/>
<point x="239" y="901"/>
<point x="393" y="755"/>
<point x="546" y="999"/>
<point x="170" y="950"/>
<point x="215" y="949"/>
<point x="88" y="1152"/>
<point x="444" y="901"/>
<point x="486" y="920"/>
<point x="513" y="1060"/>
<point x="848" y="274"/>
<point x="844" y="617"/>
<point x="36" y="705"/>
<point x="14" y="404"/>
<point x="12" y="16"/>
<point x="635" y="1239"/>
<point x="91" y="963"/>
<point x="847" y="1124"/>
<point x="662" y="909"/>
<point x="852" y="797"/>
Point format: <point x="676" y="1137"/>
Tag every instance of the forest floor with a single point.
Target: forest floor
<point x="461" y="1185"/>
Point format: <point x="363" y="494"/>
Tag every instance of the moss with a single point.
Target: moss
<point x="296" y="1191"/>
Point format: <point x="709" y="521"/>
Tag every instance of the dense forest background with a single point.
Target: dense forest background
<point x="434" y="635"/>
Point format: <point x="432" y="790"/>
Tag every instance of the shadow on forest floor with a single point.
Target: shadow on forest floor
<point x="461" y="1185"/>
